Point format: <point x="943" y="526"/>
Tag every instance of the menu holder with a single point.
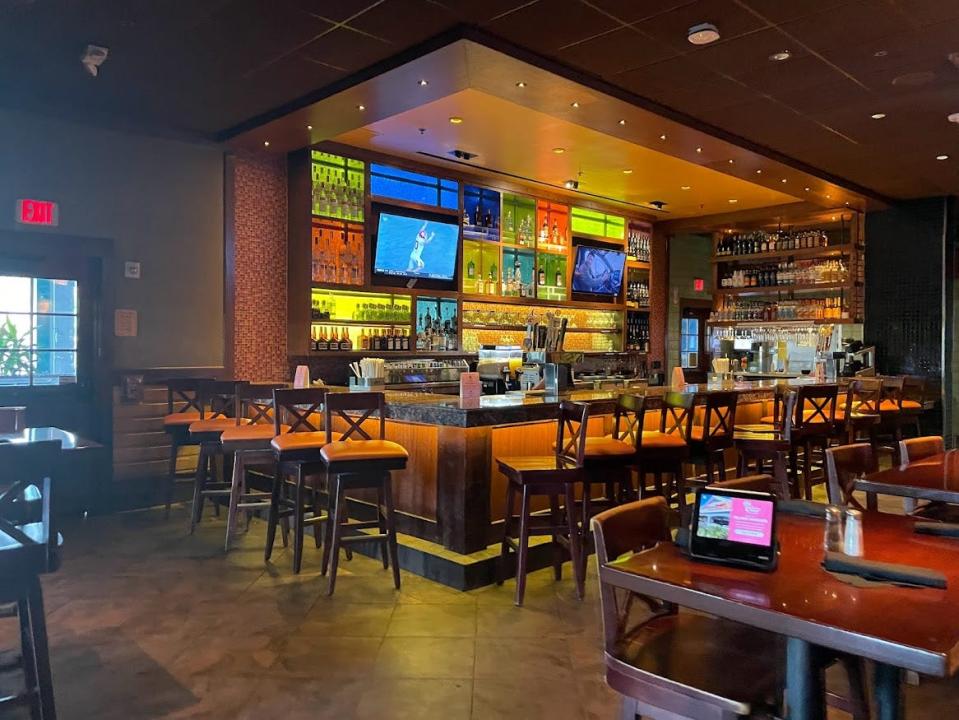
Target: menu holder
<point x="934" y="528"/>
<point x="884" y="572"/>
<point x="470" y="385"/>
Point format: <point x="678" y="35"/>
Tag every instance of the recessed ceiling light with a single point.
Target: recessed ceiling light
<point x="456" y="120"/>
<point x="878" y="116"/>
<point x="847" y="202"/>
<point x="361" y="108"/>
<point x="784" y="180"/>
<point x="663" y="136"/>
<point x="828" y="197"/>
<point x="880" y="53"/>
<point x="702" y="34"/>
<point x="953" y="117"/>
<point x="733" y="201"/>
<point x="780" y="56"/>
<point x="622" y="122"/>
<point x="833" y="217"/>
<point x="699" y="149"/>
<point x="309" y="127"/>
<point x="571" y="185"/>
<point x="574" y="104"/>
<point x="731" y="161"/>
<point x="627" y="171"/>
<point x="942" y="157"/>
<point x="806" y="189"/>
<point x="684" y="187"/>
<point x="424" y="83"/>
<point x="559" y="150"/>
<point x="266" y="143"/>
<point x="520" y="84"/>
<point x="759" y="172"/>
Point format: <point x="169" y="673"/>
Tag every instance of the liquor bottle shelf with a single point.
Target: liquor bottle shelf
<point x="785" y="289"/>
<point x="805" y="253"/>
<point x="780" y="323"/>
<point x="479" y="326"/>
<point x="634" y="264"/>
<point x="361" y="323"/>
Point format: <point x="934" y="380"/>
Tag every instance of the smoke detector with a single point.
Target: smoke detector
<point x="93" y="57"/>
<point x="702" y="34"/>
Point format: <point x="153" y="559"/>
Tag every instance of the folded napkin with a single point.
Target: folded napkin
<point x="879" y="571"/>
<point x="934" y="528"/>
<point x="802" y="507"/>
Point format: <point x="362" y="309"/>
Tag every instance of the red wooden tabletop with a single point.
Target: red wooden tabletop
<point x="933" y="478"/>
<point x="913" y="628"/>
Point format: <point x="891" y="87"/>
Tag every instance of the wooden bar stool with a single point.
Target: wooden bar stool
<point x="554" y="477"/>
<point x="860" y="414"/>
<point x="356" y="460"/>
<point x="709" y="440"/>
<point x="184" y="405"/>
<point x="663" y="451"/>
<point x="760" y="483"/>
<point x="296" y="446"/>
<point x="758" y="445"/>
<point x="913" y="403"/>
<point x="888" y="433"/>
<point x="610" y="459"/>
<point x="814" y="423"/>
<point x="248" y="441"/>
<point x="218" y="407"/>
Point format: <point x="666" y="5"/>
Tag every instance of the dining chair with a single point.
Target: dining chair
<point x="913" y="403"/>
<point x="555" y="478"/>
<point x="767" y="445"/>
<point x="860" y="416"/>
<point x="919" y="448"/>
<point x="663" y="451"/>
<point x="759" y="483"/>
<point x="668" y="663"/>
<point x="844" y="465"/>
<point x="813" y="427"/>
<point x="29" y="547"/>
<point x="712" y="431"/>
<point x="184" y="406"/>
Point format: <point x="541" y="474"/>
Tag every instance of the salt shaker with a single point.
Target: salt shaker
<point x="852" y="541"/>
<point x="832" y="539"/>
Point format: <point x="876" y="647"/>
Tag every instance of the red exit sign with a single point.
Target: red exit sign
<point x="37" y="212"/>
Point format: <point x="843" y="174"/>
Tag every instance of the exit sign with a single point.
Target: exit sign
<point x="37" y="212"/>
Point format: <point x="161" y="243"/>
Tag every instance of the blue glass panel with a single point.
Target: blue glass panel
<point x="449" y="199"/>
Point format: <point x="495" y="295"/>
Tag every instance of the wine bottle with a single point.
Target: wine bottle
<point x="471" y="270"/>
<point x="559" y="278"/>
<point x="345" y="342"/>
<point x="488" y="219"/>
<point x="541" y="276"/>
<point x="321" y="341"/>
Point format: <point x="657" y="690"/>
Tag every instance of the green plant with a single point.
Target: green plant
<point x="14" y="351"/>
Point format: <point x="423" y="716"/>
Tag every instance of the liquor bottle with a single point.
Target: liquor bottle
<point x="556" y="238"/>
<point x="471" y="270"/>
<point x="406" y="340"/>
<point x="493" y="280"/>
<point x="544" y="232"/>
<point x="541" y="276"/>
<point x="420" y="340"/>
<point x="346" y="343"/>
<point x="559" y="278"/>
<point x="466" y="217"/>
<point x="476" y="216"/>
<point x="364" y="340"/>
<point x="334" y="340"/>
<point x="488" y="219"/>
<point x="313" y="339"/>
<point x="321" y="341"/>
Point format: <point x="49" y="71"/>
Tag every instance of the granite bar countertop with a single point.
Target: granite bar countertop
<point x="451" y="411"/>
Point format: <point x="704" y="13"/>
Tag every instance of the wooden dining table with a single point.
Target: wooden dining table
<point x="934" y="478"/>
<point x="897" y="627"/>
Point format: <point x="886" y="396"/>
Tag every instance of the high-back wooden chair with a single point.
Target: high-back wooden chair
<point x="710" y="439"/>
<point x="759" y="483"/>
<point x="919" y="448"/>
<point x="184" y="405"/>
<point x="757" y="446"/>
<point x="554" y="477"/>
<point x="663" y="451"/>
<point x="913" y="403"/>
<point x="859" y="415"/>
<point x="814" y="424"/>
<point x="844" y="465"/>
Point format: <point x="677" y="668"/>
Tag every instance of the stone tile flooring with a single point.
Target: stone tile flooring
<point x="149" y="622"/>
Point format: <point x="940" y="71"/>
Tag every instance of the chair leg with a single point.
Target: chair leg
<point x="555" y="519"/>
<point x="237" y="487"/>
<point x="722" y="465"/>
<point x="576" y="542"/>
<point x="709" y="468"/>
<point x="794" y="471"/>
<point x="807" y="469"/>
<point x="171" y="479"/>
<point x="858" y="690"/>
<point x="274" y="513"/>
<point x="740" y="464"/>
<point x="522" y="549"/>
<point x="29" y="656"/>
<point x="680" y="486"/>
<point x="391" y="543"/>
<point x="38" y="626"/>
<point x="381" y="524"/>
<point x="335" y="535"/>
<point x="317" y="530"/>
<point x="507" y="529"/>
<point x="298" y="529"/>
<point x="199" y="480"/>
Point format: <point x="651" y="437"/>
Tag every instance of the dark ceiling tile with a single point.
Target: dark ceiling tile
<point x="852" y="23"/>
<point x="405" y="22"/>
<point x="779" y="11"/>
<point x="672" y="27"/>
<point x="335" y="10"/>
<point x="681" y="82"/>
<point x="548" y="25"/>
<point x="926" y="12"/>
<point x="612" y="53"/>
<point x="345" y="49"/>
<point x="480" y="12"/>
<point x="631" y="11"/>
<point x="821" y="97"/>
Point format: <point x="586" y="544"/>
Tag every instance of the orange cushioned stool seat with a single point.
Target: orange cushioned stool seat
<point x="608" y="447"/>
<point x="213" y="425"/>
<point x="260" y="434"/>
<point x="293" y="445"/>
<point x="363" y="450"/>
<point x="655" y="439"/>
<point x="179" y="419"/>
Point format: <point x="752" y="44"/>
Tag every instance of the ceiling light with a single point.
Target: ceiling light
<point x="953" y="118"/>
<point x="622" y="122"/>
<point x="520" y="84"/>
<point x="571" y="184"/>
<point x="684" y="187"/>
<point x="780" y="56"/>
<point x="559" y="150"/>
<point x="942" y="157"/>
<point x="456" y="120"/>
<point x="731" y="161"/>
<point x="833" y="217"/>
<point x="828" y="197"/>
<point x="847" y="202"/>
<point x="702" y="34"/>
<point x="759" y="172"/>
<point x="627" y="171"/>
<point x="266" y="143"/>
<point x="663" y="136"/>
<point x="361" y="107"/>
<point x="806" y="189"/>
<point x="424" y="83"/>
<point x="784" y="179"/>
<point x="309" y="127"/>
<point x="574" y="104"/>
<point x="878" y="116"/>
<point x="880" y="53"/>
<point x="699" y="149"/>
<point x="733" y="201"/>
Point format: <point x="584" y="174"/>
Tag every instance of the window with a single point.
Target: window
<point x="689" y="343"/>
<point x="38" y="331"/>
<point x="397" y="184"/>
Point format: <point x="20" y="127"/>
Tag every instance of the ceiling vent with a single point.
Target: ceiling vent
<point x="462" y="154"/>
<point x="658" y="204"/>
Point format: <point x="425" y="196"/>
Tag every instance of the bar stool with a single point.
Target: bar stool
<point x="219" y="404"/>
<point x="860" y="414"/>
<point x="551" y="476"/>
<point x="709" y="440"/>
<point x="663" y="451"/>
<point x="365" y="463"/>
<point x="888" y="433"/>
<point x="249" y="444"/>
<point x="759" y="445"/>
<point x="184" y="405"/>
<point x="814" y="422"/>
<point x="759" y="483"/>
<point x="296" y="449"/>
<point x="913" y="402"/>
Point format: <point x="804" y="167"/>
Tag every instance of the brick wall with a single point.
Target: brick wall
<point x="259" y="295"/>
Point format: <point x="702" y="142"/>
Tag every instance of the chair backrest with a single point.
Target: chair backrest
<point x="218" y="398"/>
<point x="628" y="418"/>
<point x="844" y="465"/>
<point x="892" y="389"/>
<point x="815" y="407"/>
<point x="632" y="527"/>
<point x="571" y="425"/>
<point x="789" y="399"/>
<point x="719" y="417"/>
<point x="185" y="394"/>
<point x="914" y="388"/>
<point x="676" y="415"/>
<point x="13" y="418"/>
<point x="915" y="449"/>
<point x="863" y="396"/>
<point x="298" y="409"/>
<point x="254" y="403"/>
<point x="779" y="403"/>
<point x="26" y="496"/>
<point x="760" y="483"/>
<point x="352" y="410"/>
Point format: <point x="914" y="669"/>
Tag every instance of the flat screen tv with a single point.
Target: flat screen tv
<point x="598" y="271"/>
<point x="414" y="247"/>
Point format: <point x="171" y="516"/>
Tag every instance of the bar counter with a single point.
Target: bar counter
<point x="451" y="492"/>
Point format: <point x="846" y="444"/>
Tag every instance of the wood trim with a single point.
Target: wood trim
<point x="156" y="375"/>
<point x="299" y="276"/>
<point x="229" y="261"/>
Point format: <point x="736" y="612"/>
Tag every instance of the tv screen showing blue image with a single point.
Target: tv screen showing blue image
<point x="413" y="247"/>
<point x="598" y="271"/>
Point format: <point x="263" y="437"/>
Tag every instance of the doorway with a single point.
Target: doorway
<point x="693" y="350"/>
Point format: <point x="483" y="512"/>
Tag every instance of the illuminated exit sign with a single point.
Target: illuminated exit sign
<point x="37" y="212"/>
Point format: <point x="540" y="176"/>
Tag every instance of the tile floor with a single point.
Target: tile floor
<point x="149" y="622"/>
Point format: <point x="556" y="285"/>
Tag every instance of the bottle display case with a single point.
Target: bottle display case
<point x="481" y="268"/>
<point x="498" y="324"/>
<point x="585" y="221"/>
<point x="436" y="324"/>
<point x="346" y="320"/>
<point x="552" y="221"/>
<point x="519" y="220"/>
<point x="551" y="276"/>
<point x="337" y="252"/>
<point x="481" y="213"/>
<point x="338" y="187"/>
<point x="519" y="272"/>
